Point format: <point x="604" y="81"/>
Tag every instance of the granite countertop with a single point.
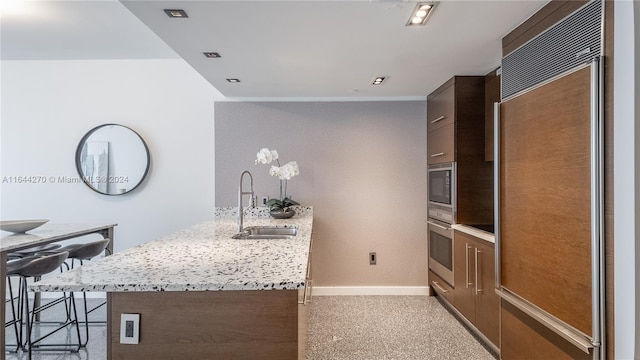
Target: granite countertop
<point x="203" y="257"/>
<point x="473" y="231"/>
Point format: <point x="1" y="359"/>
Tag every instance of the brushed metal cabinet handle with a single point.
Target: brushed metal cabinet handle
<point x="437" y="225"/>
<point x="438" y="119"/>
<point x="466" y="265"/>
<point x="435" y="283"/>
<point x="437" y="154"/>
<point x="477" y="254"/>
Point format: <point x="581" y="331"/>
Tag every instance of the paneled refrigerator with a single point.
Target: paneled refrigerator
<point x="549" y="201"/>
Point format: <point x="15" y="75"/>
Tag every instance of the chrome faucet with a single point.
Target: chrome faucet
<point x="240" y="194"/>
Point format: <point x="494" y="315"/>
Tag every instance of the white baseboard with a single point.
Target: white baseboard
<point x="369" y="290"/>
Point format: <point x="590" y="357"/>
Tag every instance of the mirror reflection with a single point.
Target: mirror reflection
<point x="112" y="159"/>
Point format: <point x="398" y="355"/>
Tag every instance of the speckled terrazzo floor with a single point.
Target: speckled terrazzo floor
<point x="96" y="348"/>
<point x="350" y="328"/>
<point x="387" y="327"/>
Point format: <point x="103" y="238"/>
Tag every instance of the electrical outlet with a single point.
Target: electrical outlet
<point x="129" y="328"/>
<point x="372" y="258"/>
<point x="264" y="200"/>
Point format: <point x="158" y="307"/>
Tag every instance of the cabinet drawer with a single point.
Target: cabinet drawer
<point x="440" y="287"/>
<point x="440" y="145"/>
<point x="440" y="109"/>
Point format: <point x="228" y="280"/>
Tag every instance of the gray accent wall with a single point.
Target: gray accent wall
<point x="362" y="168"/>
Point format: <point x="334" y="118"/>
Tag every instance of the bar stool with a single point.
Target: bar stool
<point x="34" y="250"/>
<point x="13" y="266"/>
<point x="30" y="252"/>
<point x="35" y="268"/>
<point x="82" y="252"/>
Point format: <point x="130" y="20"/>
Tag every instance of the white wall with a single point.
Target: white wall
<point x="362" y="167"/>
<point x="48" y="106"/>
<point x="626" y="180"/>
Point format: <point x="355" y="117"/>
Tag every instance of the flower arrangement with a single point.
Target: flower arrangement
<point x="284" y="173"/>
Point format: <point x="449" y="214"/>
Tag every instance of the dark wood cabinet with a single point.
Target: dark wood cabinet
<point x="456" y="132"/>
<point x="441" y="145"/>
<point x="491" y="95"/>
<point x="474" y="293"/>
<point x="458" y="106"/>
<point x="441" y="107"/>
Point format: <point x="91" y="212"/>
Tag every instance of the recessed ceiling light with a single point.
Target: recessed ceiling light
<point x="379" y="80"/>
<point x="212" y="54"/>
<point x="233" y="80"/>
<point x="176" y="13"/>
<point x="421" y="13"/>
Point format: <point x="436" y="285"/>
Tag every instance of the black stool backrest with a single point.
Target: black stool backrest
<point x="88" y="250"/>
<point x="14" y="266"/>
<point x="43" y="264"/>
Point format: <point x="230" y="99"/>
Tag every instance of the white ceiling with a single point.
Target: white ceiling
<point x="72" y="30"/>
<point x="278" y="49"/>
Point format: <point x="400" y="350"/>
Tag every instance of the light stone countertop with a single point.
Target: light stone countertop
<point x="203" y="257"/>
<point x="484" y="235"/>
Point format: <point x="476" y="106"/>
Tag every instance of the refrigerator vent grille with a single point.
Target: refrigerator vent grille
<point x="571" y="42"/>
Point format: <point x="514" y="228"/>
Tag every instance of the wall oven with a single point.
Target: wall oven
<point x="442" y="192"/>
<point x="441" y="250"/>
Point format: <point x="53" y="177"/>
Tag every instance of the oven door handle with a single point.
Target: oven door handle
<point x="438" y="225"/>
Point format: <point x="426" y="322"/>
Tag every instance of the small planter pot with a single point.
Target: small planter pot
<point x="282" y="213"/>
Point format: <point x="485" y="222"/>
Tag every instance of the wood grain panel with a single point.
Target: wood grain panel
<point x="523" y="338"/>
<point x="545" y="198"/>
<point x="546" y="17"/>
<point x="464" y="297"/>
<point x="475" y="176"/>
<point x="441" y="103"/>
<point x="208" y="325"/>
<point x="488" y="302"/>
<point x="491" y="95"/>
<point x="440" y="146"/>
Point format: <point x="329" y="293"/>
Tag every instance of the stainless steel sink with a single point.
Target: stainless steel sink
<point x="267" y="232"/>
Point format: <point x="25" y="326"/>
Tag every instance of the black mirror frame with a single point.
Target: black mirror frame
<point x="79" y="152"/>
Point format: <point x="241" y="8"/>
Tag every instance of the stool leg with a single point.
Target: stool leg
<point x="15" y="315"/>
<point x="75" y="314"/>
<point x="25" y="294"/>
<point x="22" y="285"/>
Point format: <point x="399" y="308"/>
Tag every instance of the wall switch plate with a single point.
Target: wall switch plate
<point x="372" y="258"/>
<point x="129" y="328"/>
<point x="264" y="200"/>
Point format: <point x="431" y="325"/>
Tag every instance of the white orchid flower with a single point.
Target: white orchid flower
<point x="275" y="171"/>
<point x="289" y="170"/>
<point x="265" y="156"/>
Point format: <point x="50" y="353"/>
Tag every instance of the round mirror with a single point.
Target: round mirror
<point x="112" y="159"/>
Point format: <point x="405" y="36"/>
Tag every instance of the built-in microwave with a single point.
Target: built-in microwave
<point x="441" y="250"/>
<point x="442" y="191"/>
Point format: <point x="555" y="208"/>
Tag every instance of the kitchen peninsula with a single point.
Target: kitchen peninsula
<point x="202" y="294"/>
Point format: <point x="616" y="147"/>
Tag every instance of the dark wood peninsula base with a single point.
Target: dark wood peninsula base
<point x="247" y="324"/>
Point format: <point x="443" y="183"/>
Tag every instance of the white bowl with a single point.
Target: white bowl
<point x="21" y="226"/>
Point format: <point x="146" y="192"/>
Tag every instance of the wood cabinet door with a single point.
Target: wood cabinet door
<point x="487" y="301"/>
<point x="463" y="273"/>
<point x="440" y="108"/>
<point x="440" y="145"/>
<point x="545" y="198"/>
